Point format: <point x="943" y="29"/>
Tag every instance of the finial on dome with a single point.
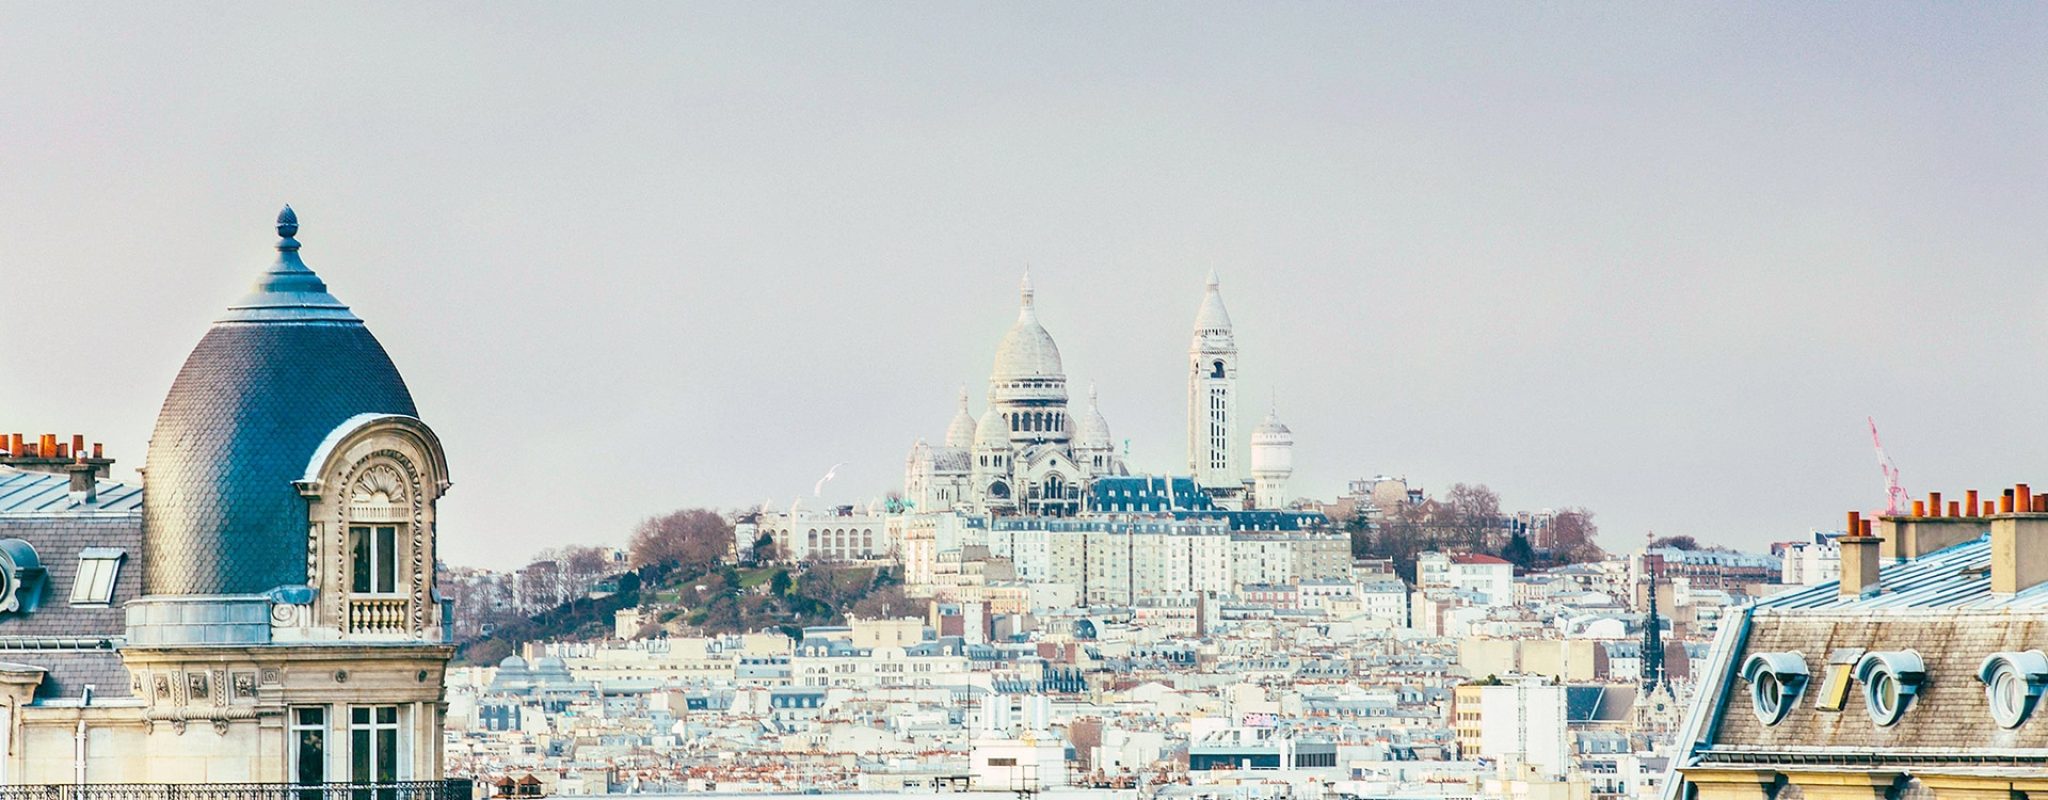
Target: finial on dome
<point x="1213" y="283"/>
<point x="1091" y="393"/>
<point x="963" y="397"/>
<point x="287" y="227"/>
<point x="1024" y="289"/>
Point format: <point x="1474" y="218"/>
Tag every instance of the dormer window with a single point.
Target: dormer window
<point x="98" y="568"/>
<point x="2012" y="684"/>
<point x="1775" y="682"/>
<point x="1890" y="680"/>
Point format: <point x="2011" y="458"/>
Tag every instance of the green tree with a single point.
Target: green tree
<point x="1518" y="551"/>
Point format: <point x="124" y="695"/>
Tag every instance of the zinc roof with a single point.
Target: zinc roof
<point x="1957" y="577"/>
<point x="23" y="492"/>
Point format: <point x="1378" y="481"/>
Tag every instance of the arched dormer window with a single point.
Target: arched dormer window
<point x="1216" y="370"/>
<point x="371" y="490"/>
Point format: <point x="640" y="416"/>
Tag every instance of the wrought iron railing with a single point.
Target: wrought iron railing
<point x="452" y="789"/>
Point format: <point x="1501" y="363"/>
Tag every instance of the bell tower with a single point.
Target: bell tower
<point x="1212" y="401"/>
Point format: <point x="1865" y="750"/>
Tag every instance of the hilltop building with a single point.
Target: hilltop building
<point x="265" y="611"/>
<point x="1027" y="455"/>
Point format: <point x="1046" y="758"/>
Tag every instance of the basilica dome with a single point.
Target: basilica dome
<point x="990" y="432"/>
<point x="1094" y="430"/>
<point x="285" y="366"/>
<point x="1027" y="350"/>
<point x="960" y="433"/>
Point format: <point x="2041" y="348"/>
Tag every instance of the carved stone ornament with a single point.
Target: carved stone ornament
<point x="381" y="484"/>
<point x="245" y="686"/>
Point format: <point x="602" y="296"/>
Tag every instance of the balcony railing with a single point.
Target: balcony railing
<point x="452" y="789"/>
<point x="376" y="615"/>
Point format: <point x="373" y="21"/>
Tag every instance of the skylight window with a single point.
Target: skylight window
<point x="98" y="568"/>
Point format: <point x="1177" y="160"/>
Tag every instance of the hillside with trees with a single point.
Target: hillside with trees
<point x="681" y="571"/>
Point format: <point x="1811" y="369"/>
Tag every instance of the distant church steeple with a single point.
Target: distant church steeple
<point x="1653" y="640"/>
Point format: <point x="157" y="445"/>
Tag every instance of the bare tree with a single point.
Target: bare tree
<point x="1571" y="537"/>
<point x="1472" y="513"/>
<point x="540" y="586"/>
<point x="887" y="602"/>
<point x="696" y="537"/>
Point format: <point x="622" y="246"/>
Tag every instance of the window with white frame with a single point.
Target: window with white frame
<point x="309" y="745"/>
<point x="98" y="568"/>
<point x="373" y="748"/>
<point x="373" y="559"/>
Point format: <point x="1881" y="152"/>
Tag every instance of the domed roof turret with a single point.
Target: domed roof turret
<point x="1271" y="431"/>
<point x="285" y="366"/>
<point x="961" y="432"/>
<point x="1093" y="430"/>
<point x="990" y="432"/>
<point x="1027" y="350"/>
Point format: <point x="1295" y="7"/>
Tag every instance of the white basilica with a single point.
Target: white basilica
<point x="1027" y="456"/>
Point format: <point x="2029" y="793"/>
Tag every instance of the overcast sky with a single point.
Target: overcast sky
<point x="1659" y="261"/>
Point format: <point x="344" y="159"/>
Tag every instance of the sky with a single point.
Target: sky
<point x="1659" y="261"/>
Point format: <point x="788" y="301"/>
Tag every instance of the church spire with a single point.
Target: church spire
<point x="1653" y="639"/>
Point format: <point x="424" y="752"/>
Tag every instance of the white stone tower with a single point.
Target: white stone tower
<point x="1212" y="401"/>
<point x="1272" y="462"/>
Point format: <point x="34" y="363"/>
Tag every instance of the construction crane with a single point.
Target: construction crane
<point x="1896" y="501"/>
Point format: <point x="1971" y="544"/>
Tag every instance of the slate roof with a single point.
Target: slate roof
<point x="69" y="672"/>
<point x="57" y="542"/>
<point x="1147" y="493"/>
<point x="254" y="400"/>
<point x="72" y="644"/>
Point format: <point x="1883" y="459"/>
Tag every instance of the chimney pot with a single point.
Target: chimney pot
<point x="1970" y="502"/>
<point x="1919" y="508"/>
<point x="1934" y="504"/>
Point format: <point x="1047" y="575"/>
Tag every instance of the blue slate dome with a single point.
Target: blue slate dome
<point x="285" y="366"/>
